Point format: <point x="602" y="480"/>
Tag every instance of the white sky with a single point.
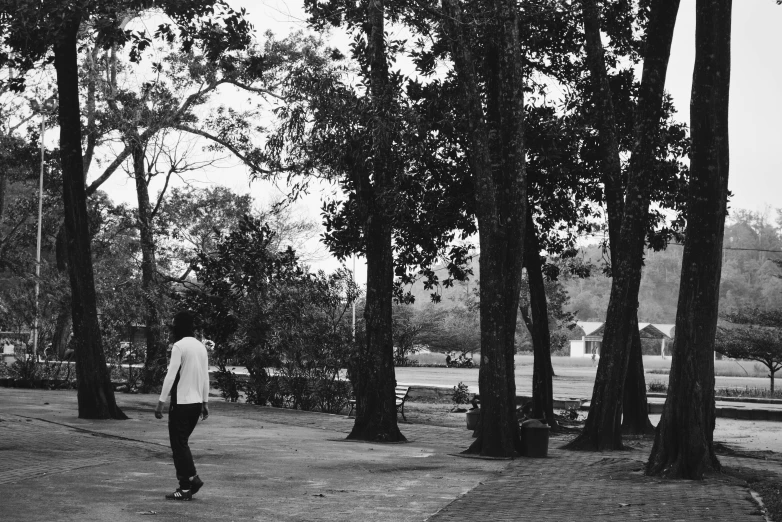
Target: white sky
<point x="755" y="110"/>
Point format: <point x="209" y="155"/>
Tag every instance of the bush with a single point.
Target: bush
<point x="227" y="384"/>
<point x="25" y="370"/>
<point x="461" y="394"/>
<point x="657" y="387"/>
<point x="332" y="395"/>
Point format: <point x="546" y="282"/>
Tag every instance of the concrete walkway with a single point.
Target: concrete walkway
<point x="282" y="465"/>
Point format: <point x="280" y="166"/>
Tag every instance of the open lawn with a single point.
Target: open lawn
<point x="575" y="377"/>
<point x="652" y="364"/>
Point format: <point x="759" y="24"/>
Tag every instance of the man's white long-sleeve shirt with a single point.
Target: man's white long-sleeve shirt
<point x="189" y="370"/>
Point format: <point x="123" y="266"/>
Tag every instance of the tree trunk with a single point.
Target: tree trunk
<point x="3" y="189"/>
<point x="61" y="330"/>
<point x="542" y="370"/>
<point x="683" y="445"/>
<point x="155" y="359"/>
<point x="376" y="417"/>
<point x="603" y="427"/>
<point x="95" y="393"/>
<point x="496" y="156"/>
<point x="62" y="327"/>
<point x="635" y="407"/>
<point x="634" y="402"/>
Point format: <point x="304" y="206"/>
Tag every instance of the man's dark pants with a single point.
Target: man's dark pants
<point x="182" y="420"/>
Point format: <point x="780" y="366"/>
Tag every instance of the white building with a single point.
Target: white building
<point x="592" y="337"/>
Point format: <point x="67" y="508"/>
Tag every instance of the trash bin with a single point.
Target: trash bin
<point x="534" y="438"/>
<point x="472" y="418"/>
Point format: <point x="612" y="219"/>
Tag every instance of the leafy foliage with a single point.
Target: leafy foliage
<point x="266" y="312"/>
<point x="756" y="335"/>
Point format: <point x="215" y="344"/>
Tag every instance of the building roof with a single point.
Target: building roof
<point x="589" y="328"/>
<point x="667" y="329"/>
<point x="656" y="331"/>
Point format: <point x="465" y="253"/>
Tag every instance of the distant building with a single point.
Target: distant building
<point x="592" y="337"/>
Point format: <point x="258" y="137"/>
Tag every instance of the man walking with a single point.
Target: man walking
<point x="188" y="382"/>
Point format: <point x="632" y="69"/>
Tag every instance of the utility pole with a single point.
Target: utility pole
<point x="354" y="301"/>
<point x="38" y="248"/>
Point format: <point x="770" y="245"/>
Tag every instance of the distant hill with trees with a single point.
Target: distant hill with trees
<point x="751" y="278"/>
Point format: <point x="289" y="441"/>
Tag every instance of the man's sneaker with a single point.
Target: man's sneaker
<point x="180" y="495"/>
<point x="195" y="485"/>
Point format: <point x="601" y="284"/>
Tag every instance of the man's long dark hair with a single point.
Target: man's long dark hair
<point x="184" y="325"/>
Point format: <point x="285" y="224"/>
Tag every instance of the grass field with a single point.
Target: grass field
<point x="652" y="364"/>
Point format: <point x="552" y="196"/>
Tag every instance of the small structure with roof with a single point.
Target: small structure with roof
<point x="592" y="337"/>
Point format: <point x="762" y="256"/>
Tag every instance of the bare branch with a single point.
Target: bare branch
<point x="162" y="192"/>
<point x="256" y="90"/>
<point x="145" y="136"/>
<point x="239" y="154"/>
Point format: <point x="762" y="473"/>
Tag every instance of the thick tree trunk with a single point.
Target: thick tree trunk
<point x="635" y="407"/>
<point x="496" y="158"/>
<point x="95" y="393"/>
<point x="542" y="370"/>
<point x="684" y="443"/>
<point x="155" y="359"/>
<point x="376" y="417"/>
<point x="603" y="428"/>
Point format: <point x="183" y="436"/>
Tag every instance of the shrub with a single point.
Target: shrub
<point x="25" y="370"/>
<point x="657" y="386"/>
<point x="332" y="395"/>
<point x="227" y="384"/>
<point x="461" y="394"/>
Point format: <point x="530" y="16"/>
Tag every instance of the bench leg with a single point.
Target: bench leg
<point x="403" y="413"/>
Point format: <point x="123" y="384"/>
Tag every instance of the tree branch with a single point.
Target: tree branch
<point x="239" y="154"/>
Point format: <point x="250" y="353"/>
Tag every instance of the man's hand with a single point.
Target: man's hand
<point x="159" y="410"/>
<point x="204" y="411"/>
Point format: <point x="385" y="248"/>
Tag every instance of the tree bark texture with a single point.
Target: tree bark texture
<point x="635" y="418"/>
<point x="62" y="328"/>
<point x="603" y="427"/>
<point x="155" y="359"/>
<point x="542" y="370"/>
<point x="635" y="406"/>
<point x="496" y="156"/>
<point x="683" y="445"/>
<point x="95" y="393"/>
<point x="376" y="417"/>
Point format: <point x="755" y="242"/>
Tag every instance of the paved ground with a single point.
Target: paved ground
<point x="281" y="465"/>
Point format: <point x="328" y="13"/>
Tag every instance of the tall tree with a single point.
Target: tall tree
<point x="537" y="324"/>
<point x="603" y="428"/>
<point x="372" y="172"/>
<point x="684" y="444"/>
<point x="95" y="392"/>
<point x="488" y="66"/>
<point x="30" y="30"/>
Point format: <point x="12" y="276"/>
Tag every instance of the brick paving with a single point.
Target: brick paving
<point x="581" y="486"/>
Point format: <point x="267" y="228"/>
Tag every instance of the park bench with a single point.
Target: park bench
<point x="401" y="397"/>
